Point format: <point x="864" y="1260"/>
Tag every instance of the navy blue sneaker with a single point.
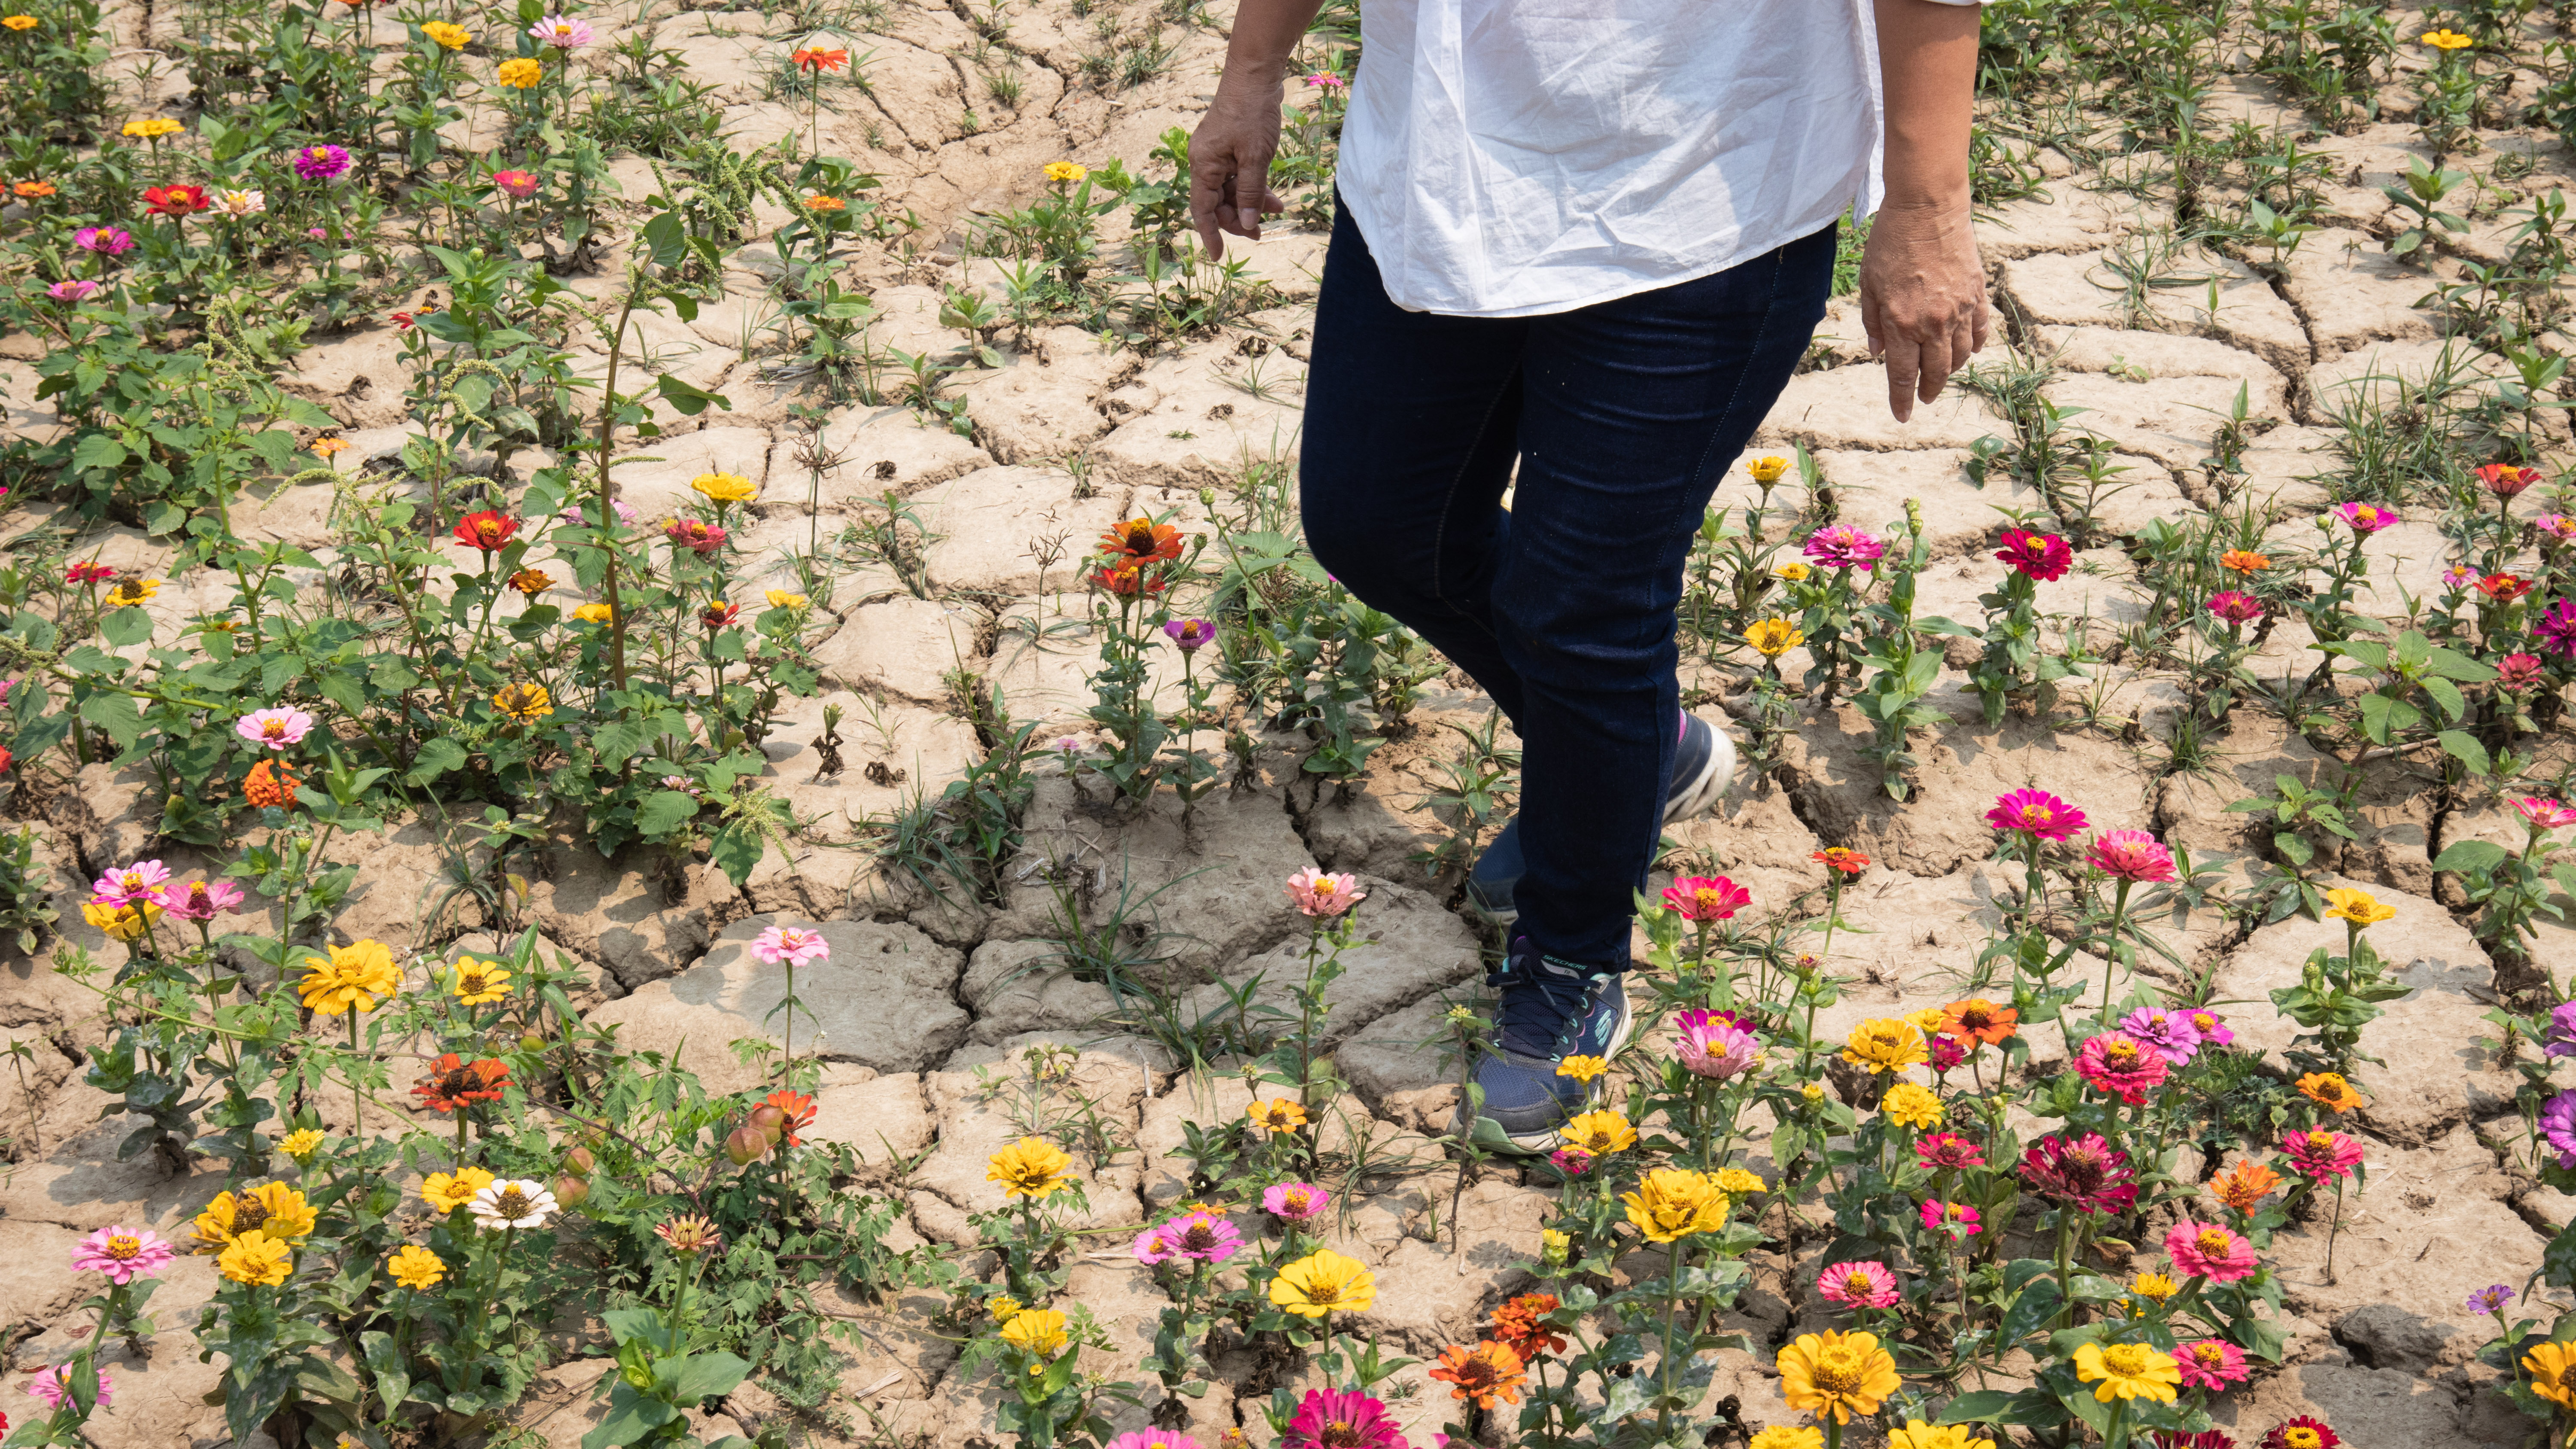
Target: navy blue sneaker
<point x="1703" y="768"/>
<point x="1550" y="1010"/>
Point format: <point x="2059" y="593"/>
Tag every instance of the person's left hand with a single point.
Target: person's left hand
<point x="1922" y="299"/>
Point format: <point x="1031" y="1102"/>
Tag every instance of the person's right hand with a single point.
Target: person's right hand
<point x="1230" y="168"/>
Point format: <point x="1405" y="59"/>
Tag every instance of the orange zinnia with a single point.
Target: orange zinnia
<point x="2244" y="1185"/>
<point x="270" y="786"/>
<point x="1842" y="858"/>
<point x="1140" y="541"/>
<point x="30" y="190"/>
<point x="814" y="58"/>
<point x="1977" y="1019"/>
<point x="1487" y="1372"/>
<point x="2243" y="561"/>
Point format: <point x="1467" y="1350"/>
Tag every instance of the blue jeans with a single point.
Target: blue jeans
<point x="1622" y="416"/>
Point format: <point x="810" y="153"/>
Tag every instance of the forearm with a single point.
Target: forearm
<point x="1266" y="33"/>
<point x="1927" y="56"/>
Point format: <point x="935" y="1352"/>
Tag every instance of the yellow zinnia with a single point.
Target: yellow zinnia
<point x="594" y="613"/>
<point x="147" y="130"/>
<point x="2552" y="1365"/>
<point x="273" y="1208"/>
<point x="1885" y="1044"/>
<point x="416" y="1267"/>
<point x="122" y="923"/>
<point x="1915" y="1106"/>
<point x="1794" y="571"/>
<point x="2128" y="1371"/>
<point x="1598" y="1133"/>
<point x="1324" y="1282"/>
<point x="256" y="1258"/>
<point x="2359" y="907"/>
<point x="781" y="599"/>
<point x="2154" y="1287"/>
<point x="520" y="74"/>
<point x="1789" y="1436"/>
<point x="1918" y="1435"/>
<point x="1672" y="1203"/>
<point x="1039" y="1331"/>
<point x="1772" y="638"/>
<point x="2446" y="40"/>
<point x="724" y="487"/>
<point x="18" y="22"/>
<point x="1066" y="172"/>
<point x="451" y="36"/>
<point x="1582" y="1069"/>
<point x="526" y="703"/>
<point x="479" y="983"/>
<point x="449" y="1191"/>
<point x="351" y="980"/>
<point x="1834" y="1373"/>
<point x="1735" y="1181"/>
<point x="1031" y="1167"/>
<point x="300" y="1144"/>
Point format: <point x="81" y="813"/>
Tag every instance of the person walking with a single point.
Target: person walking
<point x="1578" y="249"/>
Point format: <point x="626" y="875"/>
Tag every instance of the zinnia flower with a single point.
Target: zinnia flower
<point x="321" y="163"/>
<point x="1598" y="1133"/>
<point x="1275" y="1115"/>
<point x="526" y="703"/>
<point x="1841" y="858"/>
<point x="2042" y="556"/>
<point x="2162" y="1032"/>
<point x="488" y="530"/>
<point x="702" y="539"/>
<point x="2504" y="588"/>
<point x="2035" y="812"/>
<point x="1520" y="1326"/>
<point x="1324" y="1282"/>
<point x="2211" y="1363"/>
<point x="448" y="1191"/>
<point x="724" y="487"/>
<point x="2557" y="629"/>
<point x="1038" y="1332"/>
<point x="107" y="241"/>
<point x="53" y="1386"/>
<point x="562" y="32"/>
<point x="2367" y="517"/>
<point x="1190" y="634"/>
<point x="2550" y="1365"/>
<point x="2544" y="815"/>
<point x="270" y="785"/>
<point x="2209" y="1250"/>
<point x="1884" y="1044"/>
<point x="2236" y="607"/>
<point x="1977" y="1019"/>
<point x="1065" y="173"/>
<point x="2490" y="1299"/>
<point x="448" y="35"/>
<point x="2504" y="480"/>
<point x="1772" y="638"/>
<point x="813" y="59"/>
<point x="1031" y="1167"/>
<point x="352" y="979"/>
<point x="175" y="201"/>
<point x="2242" y="1186"/>
<point x="1140" y="541"/>
<point x="1714" y="1046"/>
<point x="1201" y="1236"/>
<point x="275" y="728"/>
<point x="1948" y="1150"/>
<point x="2213" y="1031"/>
<point x="1295" y="1202"/>
<point x="2120" y="1065"/>
<point x="1957" y="1219"/>
<point x="2322" y="1156"/>
<point x="1859" y="1285"/>
<point x="513" y="1205"/>
<point x="79" y="289"/>
<point x="2302" y="1432"/>
<point x="2128" y="1371"/>
<point x="1840" y="1374"/>
<point x="1484" y="1375"/>
<point x="123" y="1254"/>
<point x="2131" y="855"/>
<point x="1706" y="898"/>
<point x="1842" y="546"/>
<point x="2359" y="907"/>
<point x="128" y="884"/>
<point x="790" y="946"/>
<point x="1912" y="1104"/>
<point x="454" y="1082"/>
<point x="239" y="204"/>
<point x="1324" y="894"/>
<point x="1672" y="1203"/>
<point x="2243" y="561"/>
<point x="519" y="186"/>
<point x="2086" y="1173"/>
<point x="274" y="1208"/>
<point x="2330" y="1091"/>
<point x="1341" y="1419"/>
<point x="415" y="1267"/>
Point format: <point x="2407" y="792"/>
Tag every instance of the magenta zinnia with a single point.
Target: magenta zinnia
<point x="2210" y="1363"/>
<point x="2042" y="556"/>
<point x="1706" y="898"/>
<point x="2120" y="1065"/>
<point x="2322" y="1156"/>
<point x="2131" y="855"/>
<point x="1714" y="1045"/>
<point x="2086" y="1173"/>
<point x="2236" y="606"/>
<point x="1844" y="547"/>
<point x="2209" y="1250"/>
<point x="2036" y="812"/>
<point x="1200" y="1236"/>
<point x="2367" y="517"/>
<point x="1859" y="1285"/>
<point x="1948" y="1150"/>
<point x="1342" y="1419"/>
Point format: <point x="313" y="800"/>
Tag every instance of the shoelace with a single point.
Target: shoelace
<point x="1537" y="1004"/>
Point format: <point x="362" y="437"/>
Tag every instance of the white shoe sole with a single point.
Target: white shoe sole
<point x="1716" y="778"/>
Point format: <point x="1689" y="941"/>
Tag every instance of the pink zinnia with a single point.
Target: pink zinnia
<point x="198" y="900"/>
<point x="1153" y="1439"/>
<point x="1859" y="1285"/>
<point x="1342" y="1419"/>
<point x="275" y="728"/>
<point x="1714" y="1045"/>
<point x="2036" y="812"/>
<point x="519" y="185"/>
<point x="2209" y="1250"/>
<point x="790" y="945"/>
<point x="2557" y="525"/>
<point x="2042" y="556"/>
<point x="2236" y="607"/>
<point x="128" y="884"/>
<point x="2544" y="815"/>
<point x="702" y="538"/>
<point x="122" y="1254"/>
<point x="1572" y="1161"/>
<point x="1295" y="1202"/>
<point x="1957" y="1219"/>
<point x="321" y="163"/>
<point x="2131" y="855"/>
<point x="2322" y="1156"/>
<point x="2210" y="1363"/>
<point x="1844" y="547"/>
<point x="1326" y="80"/>
<point x="1200" y="1236"/>
<point x="1324" y="894"/>
<point x="49" y="1384"/>
<point x="2120" y="1065"/>
<point x="2163" y="1032"/>
<point x="1948" y="1150"/>
<point x="2518" y="672"/>
<point x="562" y="32"/>
<point x="1706" y="898"/>
<point x="107" y="241"/>
<point x="2211" y="1027"/>
<point x="2367" y="517"/>
<point x="80" y="289"/>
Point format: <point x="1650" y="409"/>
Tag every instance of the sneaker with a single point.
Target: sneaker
<point x="1703" y="769"/>
<point x="1550" y="1010"/>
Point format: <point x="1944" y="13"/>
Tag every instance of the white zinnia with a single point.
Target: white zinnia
<point x="514" y="1203"/>
<point x="241" y="203"/>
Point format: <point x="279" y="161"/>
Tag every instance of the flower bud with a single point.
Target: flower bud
<point x="746" y="1146"/>
<point x="531" y="1042"/>
<point x="571" y="1191"/>
<point x="579" y="1162"/>
<point x="769" y="1122"/>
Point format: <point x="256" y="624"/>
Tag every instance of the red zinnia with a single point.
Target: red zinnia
<point x="487" y="530"/>
<point x="1841" y="858"/>
<point x="453" y="1082"/>
<point x="1126" y="579"/>
<point x="175" y="200"/>
<point x="2505" y="480"/>
<point x="799" y="1109"/>
<point x="88" y="573"/>
<point x="2503" y="588"/>
<point x="719" y="614"/>
<point x="2086" y="1173"/>
<point x="2042" y="556"/>
<point x="2302" y="1432"/>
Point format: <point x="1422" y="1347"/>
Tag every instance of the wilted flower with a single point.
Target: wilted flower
<point x="453" y="1083"/>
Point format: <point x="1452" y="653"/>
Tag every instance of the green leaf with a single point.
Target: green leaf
<point x="664" y="811"/>
<point x="704" y="1375"/>
<point x="116" y="714"/>
<point x="631" y="1416"/>
<point x="438" y="755"/>
<point x="686" y="399"/>
<point x="735" y="850"/>
<point x="2464" y="747"/>
<point x="98" y="450"/>
<point x="2471" y="855"/>
<point x="122" y="627"/>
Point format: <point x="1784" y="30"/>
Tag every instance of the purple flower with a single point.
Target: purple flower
<point x="2558" y="1127"/>
<point x="2562" y="1032"/>
<point x="1190" y="633"/>
<point x="107" y="241"/>
<point x="2490" y="1299"/>
<point x="2209" y="1027"/>
<point x="2167" y="1034"/>
<point x="321" y="163"/>
<point x="1844" y="547"/>
<point x="2367" y="517"/>
<point x="2557" y="629"/>
<point x="78" y="290"/>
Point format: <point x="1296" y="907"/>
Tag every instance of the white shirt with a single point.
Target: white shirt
<point x="1509" y="158"/>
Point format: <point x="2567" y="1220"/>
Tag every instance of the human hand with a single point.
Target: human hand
<point x="1922" y="299"/>
<point x="1230" y="168"/>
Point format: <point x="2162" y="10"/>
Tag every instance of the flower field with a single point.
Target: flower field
<point x="676" y="776"/>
